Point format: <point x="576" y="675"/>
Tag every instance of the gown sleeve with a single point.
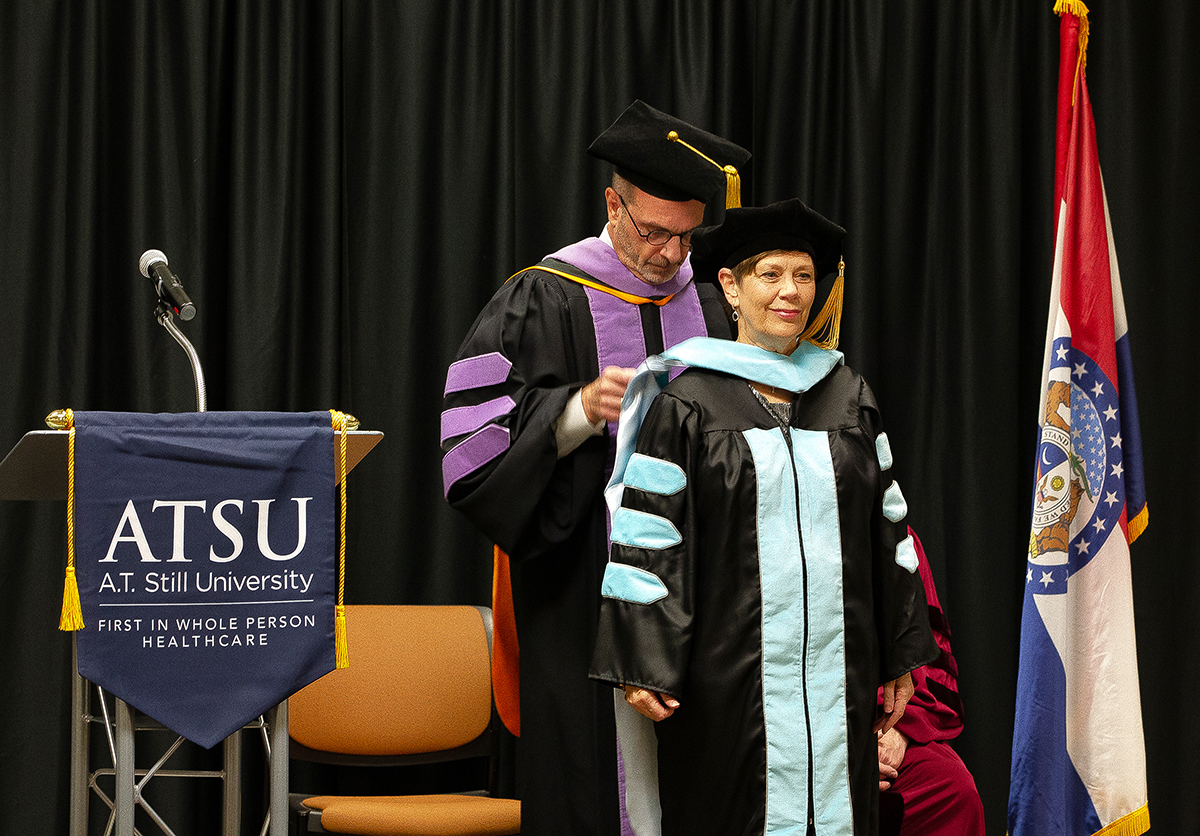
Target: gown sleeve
<point x="527" y="352"/>
<point x="646" y="615"/>
<point x="905" y="639"/>
<point x="935" y="710"/>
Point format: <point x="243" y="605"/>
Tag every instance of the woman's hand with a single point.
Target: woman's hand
<point x="896" y="695"/>
<point x="653" y="705"/>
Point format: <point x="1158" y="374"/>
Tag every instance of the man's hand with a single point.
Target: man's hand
<point x="896" y="695"/>
<point x="602" y="397"/>
<point x="655" y="706"/>
<point x="892" y="747"/>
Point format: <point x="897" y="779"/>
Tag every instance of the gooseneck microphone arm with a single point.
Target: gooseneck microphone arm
<point x="172" y="300"/>
<point x="163" y="314"/>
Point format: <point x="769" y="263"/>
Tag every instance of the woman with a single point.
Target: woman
<point x="761" y="585"/>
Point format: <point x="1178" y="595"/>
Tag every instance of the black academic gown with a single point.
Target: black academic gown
<point x="549" y="515"/>
<point x="755" y="578"/>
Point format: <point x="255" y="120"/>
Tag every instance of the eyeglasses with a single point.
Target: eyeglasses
<point x="658" y="237"/>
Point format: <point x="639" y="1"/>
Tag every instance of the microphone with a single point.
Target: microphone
<point x="153" y="265"/>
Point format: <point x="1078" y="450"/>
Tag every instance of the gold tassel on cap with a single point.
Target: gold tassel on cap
<point x="826" y="328"/>
<point x="71" y="618"/>
<point x="733" y="181"/>
<point x="341" y="422"/>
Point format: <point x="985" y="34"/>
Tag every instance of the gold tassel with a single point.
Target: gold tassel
<point x="733" y="182"/>
<point x="340" y="650"/>
<point x="71" y="618"/>
<point x="733" y="188"/>
<point x="1071" y="7"/>
<point x="825" y="329"/>
<point x="341" y="422"/>
<point x="72" y="611"/>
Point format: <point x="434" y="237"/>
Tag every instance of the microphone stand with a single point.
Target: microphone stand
<point x="126" y="795"/>
<point x="166" y="319"/>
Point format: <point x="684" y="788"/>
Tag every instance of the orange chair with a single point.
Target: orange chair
<point x="418" y="691"/>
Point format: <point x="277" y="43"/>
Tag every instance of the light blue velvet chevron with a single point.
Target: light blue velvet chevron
<point x="894" y="506"/>
<point x="652" y="475"/>
<point x="628" y="583"/>
<point x="906" y="554"/>
<point x="883" y="451"/>
<point x="643" y="531"/>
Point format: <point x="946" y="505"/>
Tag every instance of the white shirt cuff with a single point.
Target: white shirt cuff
<point x="572" y="427"/>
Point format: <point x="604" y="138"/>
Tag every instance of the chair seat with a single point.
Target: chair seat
<point x="418" y="815"/>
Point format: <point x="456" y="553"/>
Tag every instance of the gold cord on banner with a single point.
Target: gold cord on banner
<point x="826" y="328"/>
<point x="341" y="422"/>
<point x="71" y="618"/>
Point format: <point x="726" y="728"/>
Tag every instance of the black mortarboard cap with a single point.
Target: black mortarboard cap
<point x="748" y="231"/>
<point x="668" y="158"/>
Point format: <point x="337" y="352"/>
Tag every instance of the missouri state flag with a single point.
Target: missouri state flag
<point x="1079" y="763"/>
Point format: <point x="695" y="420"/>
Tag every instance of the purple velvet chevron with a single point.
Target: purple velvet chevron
<point x="473" y="453"/>
<point x="465" y="419"/>
<point x="476" y="372"/>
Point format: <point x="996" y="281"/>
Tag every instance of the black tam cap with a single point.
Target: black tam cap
<point x="668" y="158"/>
<point x="748" y="231"/>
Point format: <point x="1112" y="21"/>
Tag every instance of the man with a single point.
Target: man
<point x="528" y="432"/>
<point x="926" y="789"/>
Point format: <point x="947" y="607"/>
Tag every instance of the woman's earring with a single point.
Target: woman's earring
<point x="735" y="315"/>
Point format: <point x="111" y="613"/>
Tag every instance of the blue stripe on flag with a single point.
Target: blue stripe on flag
<point x="1047" y="795"/>
<point x="1135" y="484"/>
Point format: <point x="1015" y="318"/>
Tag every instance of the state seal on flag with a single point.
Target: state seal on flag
<point x="1078" y="493"/>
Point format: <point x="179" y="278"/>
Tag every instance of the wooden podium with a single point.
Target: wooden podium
<point x="36" y="469"/>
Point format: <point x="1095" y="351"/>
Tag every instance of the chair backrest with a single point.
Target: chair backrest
<point x="418" y="689"/>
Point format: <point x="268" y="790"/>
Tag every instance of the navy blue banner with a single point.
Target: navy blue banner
<point x="205" y="550"/>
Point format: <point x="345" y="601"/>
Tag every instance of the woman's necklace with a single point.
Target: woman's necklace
<point x="780" y="410"/>
<point x="773" y="393"/>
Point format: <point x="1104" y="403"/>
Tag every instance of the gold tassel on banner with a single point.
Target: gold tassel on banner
<point x="826" y="328"/>
<point x="341" y="652"/>
<point x="71" y="618"/>
<point x="72" y="611"/>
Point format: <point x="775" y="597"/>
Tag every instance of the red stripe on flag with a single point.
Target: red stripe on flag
<point x="1086" y="289"/>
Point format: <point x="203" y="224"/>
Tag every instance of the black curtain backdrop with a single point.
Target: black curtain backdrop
<point x="342" y="186"/>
